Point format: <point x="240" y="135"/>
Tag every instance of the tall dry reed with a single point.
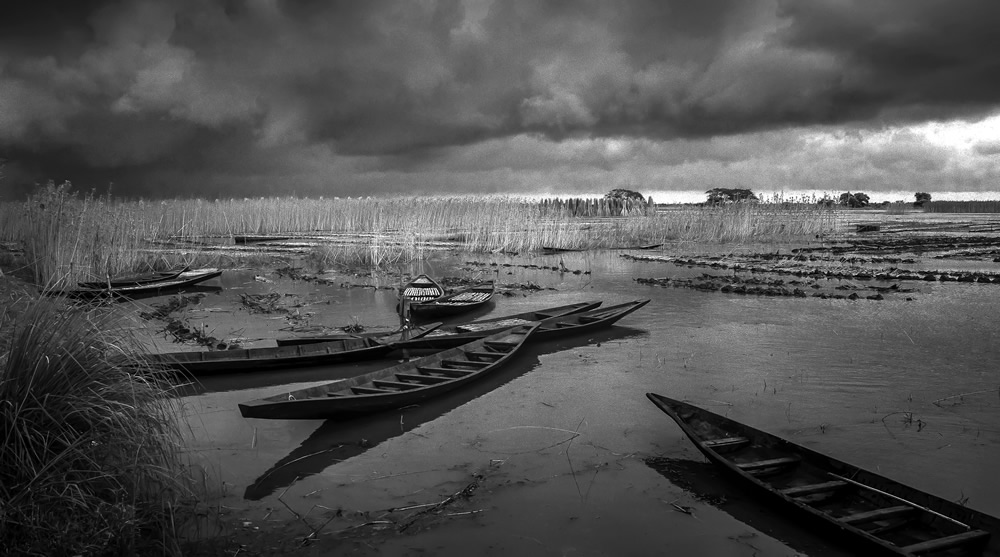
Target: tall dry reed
<point x="70" y="238"/>
<point x="89" y="461"/>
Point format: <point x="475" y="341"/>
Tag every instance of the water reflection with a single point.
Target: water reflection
<point x="339" y="439"/>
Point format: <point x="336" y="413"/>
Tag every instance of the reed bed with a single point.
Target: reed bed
<point x="69" y="238"/>
<point x="962" y="207"/>
<point x="90" y="462"/>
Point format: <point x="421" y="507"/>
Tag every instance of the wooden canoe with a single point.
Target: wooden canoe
<point x="421" y="289"/>
<point x="184" y="279"/>
<point x="134" y="280"/>
<point x="217" y="362"/>
<point x="576" y="323"/>
<point x="394" y="387"/>
<point x="871" y="512"/>
<point x="252" y="239"/>
<point x="450" y="336"/>
<point x="466" y="299"/>
<point x="414" y="332"/>
<point x="551" y="326"/>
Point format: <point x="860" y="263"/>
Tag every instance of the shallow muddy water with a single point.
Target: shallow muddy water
<point x="550" y="453"/>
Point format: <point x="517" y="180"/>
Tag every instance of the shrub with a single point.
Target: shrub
<point x="89" y="461"/>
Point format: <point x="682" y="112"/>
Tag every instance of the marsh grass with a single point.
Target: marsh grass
<point x="89" y="461"/>
<point x="69" y="238"/>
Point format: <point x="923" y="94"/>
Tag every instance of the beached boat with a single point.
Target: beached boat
<point x="450" y="336"/>
<point x="182" y="280"/>
<point x="466" y="299"/>
<point x="554" y="325"/>
<point x="216" y="362"/>
<point x="413" y="332"/>
<point x="873" y="513"/>
<point x="258" y="238"/>
<point x="134" y="280"/>
<point x="397" y="386"/>
<point x="576" y="323"/>
<point x="421" y="289"/>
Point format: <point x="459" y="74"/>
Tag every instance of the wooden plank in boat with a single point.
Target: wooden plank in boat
<point x="769" y="463"/>
<point x="877" y="514"/>
<point x="970" y="537"/>
<point x="813" y="489"/>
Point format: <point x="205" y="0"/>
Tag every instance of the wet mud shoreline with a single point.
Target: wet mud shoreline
<point x="560" y="453"/>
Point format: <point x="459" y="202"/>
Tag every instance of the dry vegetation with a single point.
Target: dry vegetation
<point x="68" y="237"/>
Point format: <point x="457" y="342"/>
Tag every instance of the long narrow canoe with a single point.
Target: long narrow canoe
<point x="218" y="362"/>
<point x="134" y="280"/>
<point x="394" y="387"/>
<point x="414" y="332"/>
<point x="577" y="323"/>
<point x="550" y="327"/>
<point x="184" y="279"/>
<point x="421" y="289"/>
<point x="875" y="514"/>
<point x="457" y="302"/>
<point x="450" y="336"/>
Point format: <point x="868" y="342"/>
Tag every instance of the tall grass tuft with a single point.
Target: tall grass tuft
<point x="89" y="459"/>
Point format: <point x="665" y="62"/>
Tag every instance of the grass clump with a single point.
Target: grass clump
<point x="89" y="460"/>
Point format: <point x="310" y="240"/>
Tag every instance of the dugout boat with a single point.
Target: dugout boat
<point x="466" y="299"/>
<point x="554" y="325"/>
<point x="875" y="514"/>
<point x="394" y="387"/>
<point x="576" y="323"/>
<point x="450" y="336"/>
<point x="421" y="289"/>
<point x="217" y="362"/>
<point x="181" y="281"/>
<point x="134" y="280"/>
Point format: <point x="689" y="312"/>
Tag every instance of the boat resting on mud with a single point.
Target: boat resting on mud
<point x="399" y="335"/>
<point x="450" y="336"/>
<point x="421" y="289"/>
<point x="394" y="387"/>
<point x="134" y="280"/>
<point x="216" y="362"/>
<point x="871" y="512"/>
<point x="182" y="280"/>
<point x="551" y="324"/>
<point x="461" y="301"/>
<point x="585" y="321"/>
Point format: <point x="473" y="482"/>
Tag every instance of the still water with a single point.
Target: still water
<point x="907" y="388"/>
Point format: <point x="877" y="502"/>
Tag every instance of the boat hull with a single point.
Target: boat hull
<point x="247" y="360"/>
<point x="452" y="336"/>
<point x="459" y="302"/>
<point x="858" y="507"/>
<point x="417" y="381"/>
<point x="183" y="280"/>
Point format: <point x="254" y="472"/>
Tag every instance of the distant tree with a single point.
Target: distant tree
<point x="921" y="199"/>
<point x="718" y="196"/>
<point x="854" y="200"/>
<point x="622" y="194"/>
<point x="825" y="201"/>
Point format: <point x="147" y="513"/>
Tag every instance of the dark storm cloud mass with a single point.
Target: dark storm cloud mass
<point x="252" y="95"/>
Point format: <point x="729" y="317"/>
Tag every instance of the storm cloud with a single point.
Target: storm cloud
<point x="183" y="97"/>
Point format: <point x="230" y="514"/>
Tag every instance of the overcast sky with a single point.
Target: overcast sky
<point x="320" y="97"/>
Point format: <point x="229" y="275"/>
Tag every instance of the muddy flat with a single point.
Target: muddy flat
<point x="560" y="453"/>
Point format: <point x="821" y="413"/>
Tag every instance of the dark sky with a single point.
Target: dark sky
<point x="320" y="97"/>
